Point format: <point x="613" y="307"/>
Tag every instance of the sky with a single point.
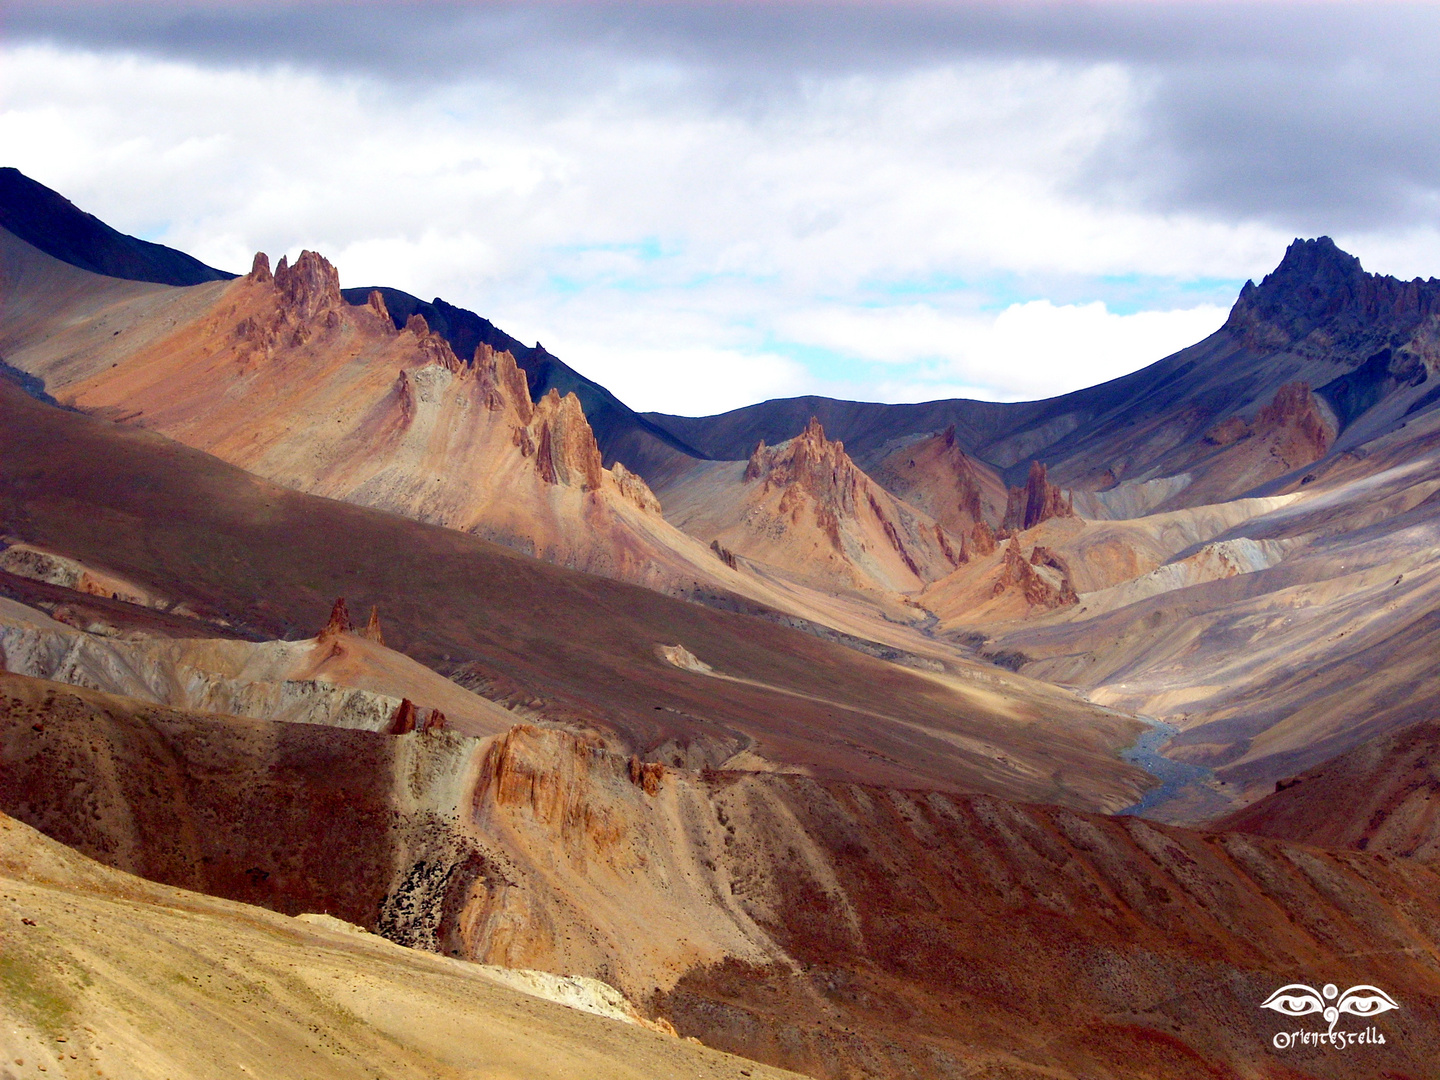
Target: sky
<point x="705" y="205"/>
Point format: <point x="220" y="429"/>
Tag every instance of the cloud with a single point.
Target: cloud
<point x="1030" y="350"/>
<point x="706" y="204"/>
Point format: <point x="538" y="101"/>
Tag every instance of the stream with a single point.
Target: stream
<point x="1173" y="775"/>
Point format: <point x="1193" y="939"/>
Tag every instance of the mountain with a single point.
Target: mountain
<point x="48" y="221"/>
<point x="1382" y="796"/>
<point x="1319" y="344"/>
<point x="622" y="434"/>
<point x="805" y="508"/>
<point x="275" y="372"/>
<point x="552" y="645"/>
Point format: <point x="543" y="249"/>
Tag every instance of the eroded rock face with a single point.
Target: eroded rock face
<point x="1030" y="578"/>
<point x="820" y="487"/>
<point x="1039" y="500"/>
<point x="310" y="287"/>
<point x="565" y="449"/>
<point x="339" y="621"/>
<point x="1294" y="428"/>
<point x="813" y="464"/>
<point x="835" y="928"/>
<point x="937" y="476"/>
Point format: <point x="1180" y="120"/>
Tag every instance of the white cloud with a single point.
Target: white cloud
<point x="1029" y="350"/>
<point x="690" y="253"/>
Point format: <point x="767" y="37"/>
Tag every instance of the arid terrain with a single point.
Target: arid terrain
<point x="381" y="697"/>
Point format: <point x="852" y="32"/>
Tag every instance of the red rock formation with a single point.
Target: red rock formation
<point x="956" y="558"/>
<point x="724" y="554"/>
<point x="435" y="348"/>
<point x="1039" y="500"/>
<point x="502" y="382"/>
<point x="372" y="628"/>
<point x="1300" y="431"/>
<point x="1039" y="591"/>
<point x="339" y="622"/>
<point x="565" y="449"/>
<point x="646" y="775"/>
<point x="378" y="307"/>
<point x="435" y="721"/>
<point x="403" y="720"/>
<point x="1293" y="426"/>
<point x="309" y="288"/>
<point x="260" y="269"/>
<point x="982" y="538"/>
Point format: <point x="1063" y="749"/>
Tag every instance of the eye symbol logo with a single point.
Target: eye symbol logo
<point x="1298" y="999"/>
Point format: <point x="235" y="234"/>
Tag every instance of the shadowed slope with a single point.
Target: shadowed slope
<point x="57" y="227"/>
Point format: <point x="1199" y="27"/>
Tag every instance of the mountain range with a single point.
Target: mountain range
<point x="1035" y="739"/>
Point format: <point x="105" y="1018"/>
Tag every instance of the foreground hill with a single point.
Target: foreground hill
<point x="181" y="986"/>
<point x="835" y="928"/>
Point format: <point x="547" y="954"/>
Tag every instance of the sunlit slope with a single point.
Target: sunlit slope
<point x="104" y="974"/>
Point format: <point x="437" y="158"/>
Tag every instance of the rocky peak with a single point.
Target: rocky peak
<point x="565" y="449"/>
<point x="812" y="462"/>
<point x="1321" y="299"/>
<point x="338" y="623"/>
<point x="433" y="346"/>
<point x="376" y="303"/>
<point x="1039" y="500"/>
<point x="1043" y="579"/>
<point x="260" y="269"/>
<point x="310" y="287"/>
<point x="372" y="631"/>
<point x="502" y="382"/>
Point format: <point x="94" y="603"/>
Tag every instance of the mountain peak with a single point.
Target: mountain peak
<point x="1320" y="295"/>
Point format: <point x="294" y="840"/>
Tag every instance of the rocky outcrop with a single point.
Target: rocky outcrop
<point x="501" y="382"/>
<point x="402" y="722"/>
<point x="634" y="488"/>
<point x="1320" y="302"/>
<point x="372" y="631"/>
<point x="260" y="269"/>
<point x="434" y="348"/>
<point x="338" y="623"/>
<point x="1294" y="428"/>
<point x="1039" y="500"/>
<point x="309" y="288"/>
<point x="937" y="476"/>
<point x="565" y="450"/>
<point x="1043" y="579"/>
<point x="813" y="464"/>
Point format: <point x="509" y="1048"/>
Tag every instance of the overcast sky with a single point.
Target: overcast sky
<point x="706" y="205"/>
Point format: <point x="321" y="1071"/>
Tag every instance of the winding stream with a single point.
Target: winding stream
<point x="1173" y="775"/>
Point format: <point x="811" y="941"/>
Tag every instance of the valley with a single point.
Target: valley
<point x="481" y="725"/>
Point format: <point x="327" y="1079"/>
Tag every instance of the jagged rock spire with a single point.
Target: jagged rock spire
<point x="339" y="622"/>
